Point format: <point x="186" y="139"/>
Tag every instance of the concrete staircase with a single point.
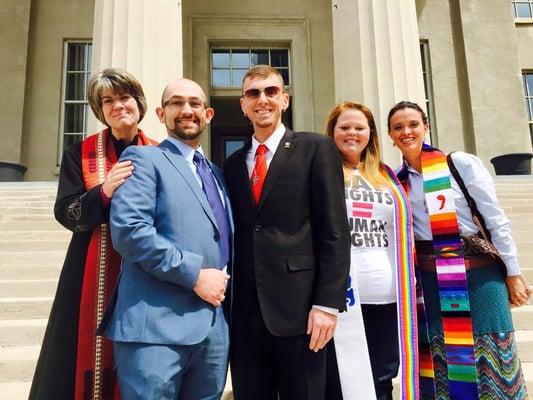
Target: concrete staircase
<point x="32" y="250"/>
<point x="33" y="246"/>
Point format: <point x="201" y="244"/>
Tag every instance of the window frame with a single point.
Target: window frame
<point x="64" y="102"/>
<point x="428" y="90"/>
<point x="522" y="20"/>
<point x="236" y="90"/>
<point x="528" y="98"/>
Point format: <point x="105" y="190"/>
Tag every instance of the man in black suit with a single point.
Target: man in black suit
<point x="292" y="250"/>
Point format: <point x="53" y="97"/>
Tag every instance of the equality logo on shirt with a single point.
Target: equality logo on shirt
<point x="366" y="225"/>
<point x="350" y="294"/>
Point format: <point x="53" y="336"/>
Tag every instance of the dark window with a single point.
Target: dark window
<point x="228" y="66"/>
<point x="75" y="106"/>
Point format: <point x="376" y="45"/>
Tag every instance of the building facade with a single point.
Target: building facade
<point x="469" y="61"/>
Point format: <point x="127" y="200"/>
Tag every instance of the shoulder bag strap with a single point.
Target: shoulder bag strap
<point x="476" y="215"/>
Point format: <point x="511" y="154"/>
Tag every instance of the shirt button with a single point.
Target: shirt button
<point x="258" y="228"/>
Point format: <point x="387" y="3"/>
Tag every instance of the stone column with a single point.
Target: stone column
<point x="143" y="37"/>
<point x="377" y="58"/>
<point x="496" y="106"/>
<point x="14" y="30"/>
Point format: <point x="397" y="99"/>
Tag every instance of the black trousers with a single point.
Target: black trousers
<point x="264" y="366"/>
<point x="381" y="329"/>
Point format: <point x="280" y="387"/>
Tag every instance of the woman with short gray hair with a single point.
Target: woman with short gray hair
<point x="75" y="363"/>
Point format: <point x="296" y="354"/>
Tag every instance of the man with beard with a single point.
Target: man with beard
<point x="171" y="223"/>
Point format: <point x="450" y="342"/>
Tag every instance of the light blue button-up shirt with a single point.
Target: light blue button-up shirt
<point x="481" y="187"/>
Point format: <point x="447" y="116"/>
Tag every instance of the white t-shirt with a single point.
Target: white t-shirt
<point x="371" y="221"/>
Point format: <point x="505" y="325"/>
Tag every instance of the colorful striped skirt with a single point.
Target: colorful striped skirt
<point x="499" y="372"/>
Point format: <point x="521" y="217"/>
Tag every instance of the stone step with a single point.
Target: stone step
<point x="528" y="273"/>
<point x="29" y="194"/>
<point x="20" y="391"/>
<point x="524" y="249"/>
<point x="524" y="340"/>
<point x="527" y="369"/>
<point x="31" y="258"/>
<point x="49" y="245"/>
<point x="13" y="198"/>
<point x="40" y="185"/>
<point x="28" y="288"/>
<point x="524" y="240"/>
<point x="526" y="211"/>
<point x="513" y="190"/>
<point x="29" y="273"/>
<point x="514" y="193"/>
<point x="523" y="318"/>
<point x="26" y="217"/>
<point x="14" y="390"/>
<point x="511" y="201"/>
<point x="525" y="265"/>
<point x="31" y="236"/>
<point x="12" y="308"/>
<point x="17" y="363"/>
<point x="46" y="225"/>
<point x="22" y="332"/>
<point x="31" y="210"/>
<point x="24" y="202"/>
<point x="515" y="199"/>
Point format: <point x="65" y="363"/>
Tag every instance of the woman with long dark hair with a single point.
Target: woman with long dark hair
<point x="467" y="268"/>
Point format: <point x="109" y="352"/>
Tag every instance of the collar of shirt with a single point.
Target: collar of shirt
<point x="186" y="150"/>
<point x="188" y="153"/>
<point x="272" y="143"/>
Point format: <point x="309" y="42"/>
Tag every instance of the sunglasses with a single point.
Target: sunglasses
<point x="270" y="91"/>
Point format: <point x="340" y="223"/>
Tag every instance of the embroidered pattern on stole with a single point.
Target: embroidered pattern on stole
<point x="451" y="278"/>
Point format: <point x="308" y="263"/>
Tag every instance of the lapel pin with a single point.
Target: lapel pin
<point x="287" y="145"/>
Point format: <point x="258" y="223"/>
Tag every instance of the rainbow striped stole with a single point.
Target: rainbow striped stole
<point x="451" y="276"/>
<point x="405" y="289"/>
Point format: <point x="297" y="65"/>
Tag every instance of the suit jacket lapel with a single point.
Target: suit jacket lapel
<point x="242" y="176"/>
<point x="173" y="155"/>
<point x="276" y="165"/>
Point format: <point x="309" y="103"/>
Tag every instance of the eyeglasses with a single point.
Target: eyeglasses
<point x="195" y="104"/>
<point x="270" y="91"/>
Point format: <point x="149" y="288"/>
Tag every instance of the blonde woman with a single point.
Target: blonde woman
<point x="382" y="272"/>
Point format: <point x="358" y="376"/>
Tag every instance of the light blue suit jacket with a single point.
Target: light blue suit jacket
<point x="165" y="230"/>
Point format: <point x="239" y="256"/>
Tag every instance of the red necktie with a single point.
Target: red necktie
<point x="259" y="172"/>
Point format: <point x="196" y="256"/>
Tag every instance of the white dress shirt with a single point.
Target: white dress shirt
<point x="481" y="187"/>
<point x="271" y="143"/>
